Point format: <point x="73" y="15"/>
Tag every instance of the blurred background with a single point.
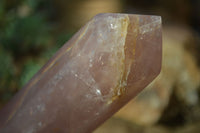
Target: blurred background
<point x="31" y="31"/>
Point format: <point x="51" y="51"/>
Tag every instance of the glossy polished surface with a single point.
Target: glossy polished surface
<point x="109" y="61"/>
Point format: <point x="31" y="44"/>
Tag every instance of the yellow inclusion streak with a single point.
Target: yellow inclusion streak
<point x="119" y="88"/>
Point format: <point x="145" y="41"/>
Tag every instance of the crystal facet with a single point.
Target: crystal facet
<point x="110" y="60"/>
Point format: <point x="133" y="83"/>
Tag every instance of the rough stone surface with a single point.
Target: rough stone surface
<point x="110" y="60"/>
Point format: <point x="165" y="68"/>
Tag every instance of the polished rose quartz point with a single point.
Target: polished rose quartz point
<point x="104" y="65"/>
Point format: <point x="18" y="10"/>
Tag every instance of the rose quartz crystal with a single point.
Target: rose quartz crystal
<point x="110" y="60"/>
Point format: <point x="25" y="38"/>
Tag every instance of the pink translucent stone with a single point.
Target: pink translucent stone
<point x="104" y="65"/>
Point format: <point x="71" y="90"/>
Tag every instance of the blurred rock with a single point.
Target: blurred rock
<point x="75" y="13"/>
<point x="114" y="125"/>
<point x="179" y="71"/>
<point x="186" y="72"/>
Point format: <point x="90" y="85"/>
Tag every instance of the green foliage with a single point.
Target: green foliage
<point x="27" y="41"/>
<point x="23" y="29"/>
<point x="29" y="69"/>
<point x="25" y="34"/>
<point x="7" y="72"/>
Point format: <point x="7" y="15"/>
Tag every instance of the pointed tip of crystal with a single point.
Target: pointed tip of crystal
<point x="147" y="31"/>
<point x="138" y="38"/>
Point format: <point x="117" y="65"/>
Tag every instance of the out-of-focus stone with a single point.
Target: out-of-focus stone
<point x="114" y="125"/>
<point x="76" y="13"/>
<point x="179" y="71"/>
